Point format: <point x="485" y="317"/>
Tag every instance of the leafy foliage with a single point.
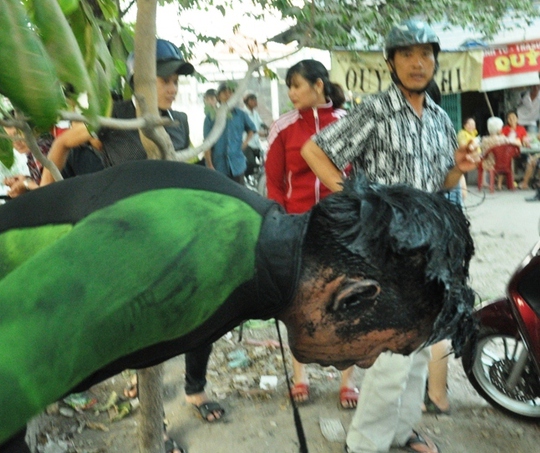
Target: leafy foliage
<point x="345" y="23"/>
<point x="27" y="74"/>
<point x="53" y="48"/>
<point x="6" y="149"/>
<point x="82" y="45"/>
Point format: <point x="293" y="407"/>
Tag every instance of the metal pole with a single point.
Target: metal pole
<point x="488" y="103"/>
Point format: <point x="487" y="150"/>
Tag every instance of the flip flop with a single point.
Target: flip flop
<point x="332" y="429"/>
<point x="300" y="390"/>
<point x="432" y="408"/>
<point x="208" y="408"/>
<point x="171" y="446"/>
<point x="348" y="395"/>
<point x="131" y="392"/>
<point x="416" y="438"/>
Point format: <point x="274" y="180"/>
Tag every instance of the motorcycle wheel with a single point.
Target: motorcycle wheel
<point x="488" y="367"/>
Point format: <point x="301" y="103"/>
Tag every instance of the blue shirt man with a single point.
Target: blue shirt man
<point x="227" y="156"/>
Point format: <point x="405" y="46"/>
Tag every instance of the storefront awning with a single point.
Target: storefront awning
<point x="366" y="72"/>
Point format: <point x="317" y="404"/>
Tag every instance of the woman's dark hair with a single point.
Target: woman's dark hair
<point x="313" y="70"/>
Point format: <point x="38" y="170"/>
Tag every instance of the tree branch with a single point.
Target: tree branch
<point x="121" y="13"/>
<point x="150" y="130"/>
<point x="31" y="142"/>
<point x="221" y="116"/>
<point x="121" y="124"/>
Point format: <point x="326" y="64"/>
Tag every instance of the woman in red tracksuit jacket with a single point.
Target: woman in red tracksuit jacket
<point x="317" y="103"/>
<point x="290" y="181"/>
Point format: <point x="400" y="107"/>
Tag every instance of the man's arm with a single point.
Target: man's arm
<point x="207" y="127"/>
<point x="208" y="159"/>
<point x="58" y="154"/>
<point x="245" y="143"/>
<point x="249" y="128"/>
<point x="322" y="166"/>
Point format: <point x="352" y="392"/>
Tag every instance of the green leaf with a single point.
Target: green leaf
<point x="61" y="44"/>
<point x="102" y="89"/>
<point x="6" y="150"/>
<point x="27" y="75"/>
<point x="68" y="6"/>
<point x="128" y="38"/>
<point x="100" y="49"/>
<point x="108" y="8"/>
<point x="79" y="24"/>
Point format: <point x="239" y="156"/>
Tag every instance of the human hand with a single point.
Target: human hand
<point x="467" y="157"/>
<point x="18" y="185"/>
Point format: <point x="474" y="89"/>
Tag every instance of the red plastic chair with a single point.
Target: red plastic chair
<point x="503" y="154"/>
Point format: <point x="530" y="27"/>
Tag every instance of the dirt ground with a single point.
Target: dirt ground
<point x="504" y="226"/>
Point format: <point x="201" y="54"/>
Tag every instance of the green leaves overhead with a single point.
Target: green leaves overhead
<point x="355" y="23"/>
<point x="68" y="6"/>
<point x="360" y="23"/>
<point x="6" y="149"/>
<point x="27" y="74"/>
<point x="61" y="44"/>
<point x="54" y="46"/>
<point x="108" y="9"/>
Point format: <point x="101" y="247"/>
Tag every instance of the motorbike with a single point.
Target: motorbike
<point x="503" y="365"/>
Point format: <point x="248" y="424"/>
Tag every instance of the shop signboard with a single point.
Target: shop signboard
<point x="513" y="65"/>
<point x="366" y="72"/>
<point x="499" y="68"/>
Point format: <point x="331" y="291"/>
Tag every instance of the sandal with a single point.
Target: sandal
<point x="300" y="392"/>
<point x="132" y="390"/>
<point x="332" y="429"/>
<point x="432" y="408"/>
<point x="206" y="409"/>
<point x="348" y="397"/>
<point x="172" y="447"/>
<point x="416" y="438"/>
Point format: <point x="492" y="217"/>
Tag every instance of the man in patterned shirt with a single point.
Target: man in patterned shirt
<point x="395" y="137"/>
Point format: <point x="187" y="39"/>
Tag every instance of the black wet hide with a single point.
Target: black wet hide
<point x="416" y="244"/>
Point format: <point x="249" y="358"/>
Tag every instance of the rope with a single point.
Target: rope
<point x="296" y="414"/>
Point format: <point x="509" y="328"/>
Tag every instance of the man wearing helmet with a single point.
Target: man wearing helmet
<point x="397" y="136"/>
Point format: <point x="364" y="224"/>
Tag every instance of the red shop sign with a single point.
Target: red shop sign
<point x="512" y="59"/>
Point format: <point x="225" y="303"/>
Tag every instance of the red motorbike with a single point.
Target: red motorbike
<point x="504" y="365"/>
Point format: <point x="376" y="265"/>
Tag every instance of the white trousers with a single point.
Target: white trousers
<point x="390" y="402"/>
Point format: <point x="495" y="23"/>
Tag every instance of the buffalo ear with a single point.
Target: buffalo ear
<point x="354" y="291"/>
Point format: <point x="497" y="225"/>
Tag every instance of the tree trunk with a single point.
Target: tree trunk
<point x="150" y="379"/>
<point x="151" y="398"/>
<point x="33" y="429"/>
<point x="156" y="141"/>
